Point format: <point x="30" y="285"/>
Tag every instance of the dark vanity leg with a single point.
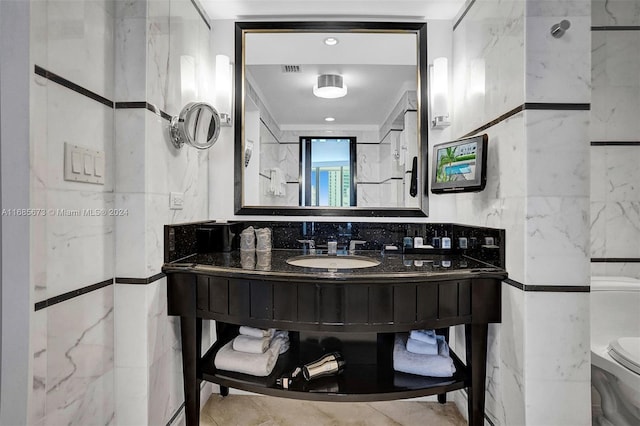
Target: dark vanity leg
<point x="224" y="391"/>
<point x="476" y="350"/>
<point x="191" y="333"/>
<point x="442" y="397"/>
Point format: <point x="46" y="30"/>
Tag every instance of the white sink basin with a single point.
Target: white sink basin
<point x="332" y="262"/>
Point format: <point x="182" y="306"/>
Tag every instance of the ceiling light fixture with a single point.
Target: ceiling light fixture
<point x="331" y="41"/>
<point x="329" y="119"/>
<point x="330" y="86"/>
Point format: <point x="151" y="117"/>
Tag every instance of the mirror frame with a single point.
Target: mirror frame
<point x="418" y="28"/>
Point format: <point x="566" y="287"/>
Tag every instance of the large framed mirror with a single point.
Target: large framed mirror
<point x="331" y="119"/>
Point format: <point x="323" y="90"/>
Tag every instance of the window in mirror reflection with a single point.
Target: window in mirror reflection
<point x="327" y="170"/>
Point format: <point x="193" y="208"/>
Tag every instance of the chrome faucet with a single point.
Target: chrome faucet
<point x="353" y="244"/>
<point x="311" y="243"/>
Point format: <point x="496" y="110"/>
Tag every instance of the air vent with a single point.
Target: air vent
<point x="291" y="68"/>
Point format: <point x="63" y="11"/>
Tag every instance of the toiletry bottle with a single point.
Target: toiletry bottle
<point x="332" y="246"/>
<point x="463" y="243"/>
<point x="446" y="241"/>
<point x="407" y="242"/>
<point x="473" y="242"/>
<point x="435" y="241"/>
<point x="418" y="242"/>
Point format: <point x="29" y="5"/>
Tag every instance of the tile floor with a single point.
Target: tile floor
<point x="244" y="410"/>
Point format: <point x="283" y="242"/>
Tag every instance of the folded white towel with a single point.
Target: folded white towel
<point x="427" y="336"/>
<point x="256" y="332"/>
<point x="424" y="348"/>
<point x="251" y="344"/>
<point x="242" y="362"/>
<point x="440" y="365"/>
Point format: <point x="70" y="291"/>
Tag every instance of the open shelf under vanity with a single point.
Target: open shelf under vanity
<point x="368" y="374"/>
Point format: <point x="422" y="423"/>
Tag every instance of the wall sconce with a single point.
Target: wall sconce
<point x="224" y="88"/>
<point x="439" y="85"/>
<point x="188" y="89"/>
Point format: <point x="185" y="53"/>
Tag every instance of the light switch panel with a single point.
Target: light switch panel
<point x="99" y="166"/>
<point x="76" y="162"/>
<point x="83" y="164"/>
<point x="88" y="164"/>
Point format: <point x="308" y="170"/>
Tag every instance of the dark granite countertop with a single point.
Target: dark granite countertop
<point x="272" y="265"/>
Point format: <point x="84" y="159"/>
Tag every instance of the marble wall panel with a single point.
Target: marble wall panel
<point x="164" y="357"/>
<point x="615" y="194"/>
<point x="80" y="363"/>
<point x="558" y="153"/>
<point x="130" y="40"/>
<point x="622" y="179"/>
<point x="617" y="269"/>
<point x="38" y="398"/>
<point x="502" y="204"/>
<point x="488" y="58"/>
<point x="615" y="12"/>
<point x="79" y="244"/>
<point x="168" y="169"/>
<point x="73" y="246"/>
<point x="510" y="409"/>
<point x="80" y="39"/>
<point x="132" y="395"/>
<point x="76" y="119"/>
<point x="188" y="36"/>
<point x="158" y="39"/>
<point x="615" y="197"/>
<point x="565" y="371"/>
<point x="130" y="241"/>
<point x="622" y="229"/>
<point x="557" y="241"/>
<point x="615" y="87"/>
<point x="129" y="147"/>
<point x="558" y="69"/>
<point x="368" y="163"/>
<point x="505" y="380"/>
<point x="368" y="195"/>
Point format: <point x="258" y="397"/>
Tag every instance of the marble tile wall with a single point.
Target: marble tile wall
<point x="537" y="189"/>
<point x="488" y="51"/>
<point x="147" y="359"/>
<point x="125" y="51"/>
<point x="560" y="321"/>
<point x="615" y="194"/>
<point x="72" y="341"/>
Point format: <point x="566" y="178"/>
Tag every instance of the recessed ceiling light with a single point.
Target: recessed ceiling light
<point x="329" y="119"/>
<point x="331" y="41"/>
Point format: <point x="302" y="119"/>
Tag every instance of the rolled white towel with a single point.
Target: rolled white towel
<point x="420" y="347"/>
<point x="440" y="365"/>
<point x="427" y="336"/>
<point x="284" y="337"/>
<point x="260" y="365"/>
<point x="251" y="344"/>
<point x="256" y="332"/>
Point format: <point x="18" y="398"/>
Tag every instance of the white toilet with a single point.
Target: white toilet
<point x="615" y="350"/>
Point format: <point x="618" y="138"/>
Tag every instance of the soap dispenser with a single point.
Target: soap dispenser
<point x="446" y="241"/>
<point x="332" y="246"/>
<point x="435" y="241"/>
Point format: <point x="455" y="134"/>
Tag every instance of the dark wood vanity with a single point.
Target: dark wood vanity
<point x="354" y="311"/>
